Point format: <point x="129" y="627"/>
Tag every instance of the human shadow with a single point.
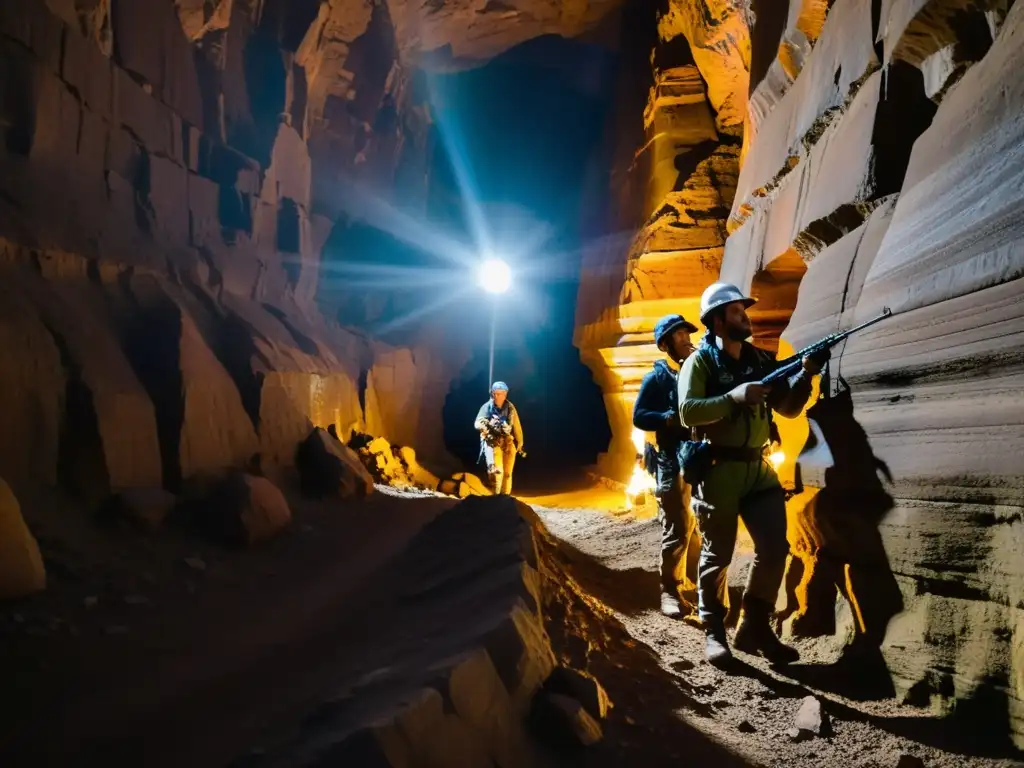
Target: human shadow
<point x="978" y="728"/>
<point x="838" y="550"/>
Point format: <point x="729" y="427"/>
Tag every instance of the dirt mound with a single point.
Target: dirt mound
<point x="460" y="689"/>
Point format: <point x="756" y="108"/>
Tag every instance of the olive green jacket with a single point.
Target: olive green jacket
<point x="707" y="377"/>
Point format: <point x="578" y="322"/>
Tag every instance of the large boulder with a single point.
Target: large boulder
<point x="21" y="564"/>
<point x="328" y="468"/>
<point x="418" y="474"/>
<point x="145" y="507"/>
<point x="246" y="509"/>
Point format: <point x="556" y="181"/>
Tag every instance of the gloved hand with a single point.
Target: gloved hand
<point x="506" y="429"/>
<point x="814" y="363"/>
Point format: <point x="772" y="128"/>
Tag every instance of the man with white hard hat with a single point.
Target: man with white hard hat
<point x="721" y="397"/>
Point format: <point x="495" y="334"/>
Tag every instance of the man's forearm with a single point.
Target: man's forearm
<point x="698" y="411"/>
<point x="791" y="401"/>
<point x="648" y="420"/>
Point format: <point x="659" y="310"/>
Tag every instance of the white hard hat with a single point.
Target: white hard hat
<point x="718" y="295"/>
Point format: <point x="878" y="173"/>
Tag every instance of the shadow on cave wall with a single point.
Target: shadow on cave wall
<point x="840" y="552"/>
<point x="835" y="541"/>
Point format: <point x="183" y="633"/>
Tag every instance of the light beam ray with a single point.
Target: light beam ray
<point x="389" y="276"/>
<point x="362" y="204"/>
<point x="426" y="309"/>
<point x="455" y="145"/>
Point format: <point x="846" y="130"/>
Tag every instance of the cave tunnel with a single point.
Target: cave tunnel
<point x="532" y="122"/>
<point x="517" y="144"/>
<point x="243" y="337"/>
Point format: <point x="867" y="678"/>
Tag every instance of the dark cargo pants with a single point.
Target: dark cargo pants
<point x="678" y="526"/>
<point x="734" y="490"/>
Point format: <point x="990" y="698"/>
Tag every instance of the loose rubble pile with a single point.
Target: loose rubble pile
<point x="398" y="466"/>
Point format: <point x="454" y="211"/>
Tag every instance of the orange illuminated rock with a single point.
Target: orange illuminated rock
<point x="21" y="565"/>
<point x="32" y="387"/>
<point x="405" y="392"/>
<point x="719" y="38"/>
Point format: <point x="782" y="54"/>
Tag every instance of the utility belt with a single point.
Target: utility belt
<point x="730" y="453"/>
<point x="696" y="457"/>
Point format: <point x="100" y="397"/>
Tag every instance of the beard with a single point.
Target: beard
<point x="737" y="333"/>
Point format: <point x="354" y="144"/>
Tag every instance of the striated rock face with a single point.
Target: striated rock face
<point x="462" y="33"/>
<point x="168" y="174"/>
<point x="405" y="393"/>
<point x="889" y="176"/>
<point x="718" y="33"/>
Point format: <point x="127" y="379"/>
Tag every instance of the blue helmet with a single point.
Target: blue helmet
<point x="670" y="323"/>
<point x="499" y="386"/>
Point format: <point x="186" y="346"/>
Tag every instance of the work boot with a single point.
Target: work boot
<point x="756" y="636"/>
<point x="716" y="646"/>
<point x="671" y="605"/>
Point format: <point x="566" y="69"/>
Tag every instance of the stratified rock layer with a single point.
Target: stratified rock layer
<point x="167" y="176"/>
<point x="856" y="194"/>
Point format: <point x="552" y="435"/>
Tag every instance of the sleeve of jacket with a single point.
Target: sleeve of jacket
<point x="788" y="398"/>
<point x="695" y="409"/>
<point x="481" y="417"/>
<point x="647" y="413"/>
<point x="517" y="429"/>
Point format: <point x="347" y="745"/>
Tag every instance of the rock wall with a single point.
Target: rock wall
<point x="879" y="167"/>
<point x="883" y="170"/>
<point x="168" y="177"/>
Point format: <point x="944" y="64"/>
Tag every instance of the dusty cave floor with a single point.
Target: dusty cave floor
<point x="671" y="705"/>
<point x="160" y="650"/>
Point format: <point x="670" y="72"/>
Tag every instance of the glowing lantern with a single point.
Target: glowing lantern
<point x="640" y="482"/>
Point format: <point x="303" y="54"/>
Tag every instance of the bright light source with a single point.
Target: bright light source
<point x="776" y="459"/>
<point x="495" y="276"/>
<point x="640" y="482"/>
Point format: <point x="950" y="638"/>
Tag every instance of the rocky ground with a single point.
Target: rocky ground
<point x="670" y="704"/>
<point x="158" y="650"/>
